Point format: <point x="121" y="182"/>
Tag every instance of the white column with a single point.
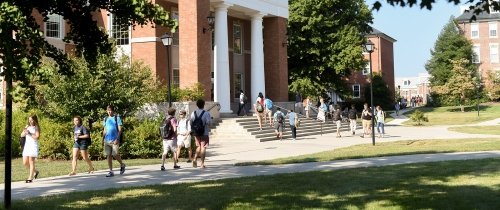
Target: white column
<point x="221" y="56"/>
<point x="257" y="62"/>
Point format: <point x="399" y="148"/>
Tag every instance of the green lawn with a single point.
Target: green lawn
<point x="453" y="115"/>
<point x="494" y="129"/>
<point x="49" y="168"/>
<point x="465" y="184"/>
<point x="390" y="149"/>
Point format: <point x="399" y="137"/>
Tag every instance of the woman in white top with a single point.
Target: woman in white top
<point x="380" y="116"/>
<point x="30" y="151"/>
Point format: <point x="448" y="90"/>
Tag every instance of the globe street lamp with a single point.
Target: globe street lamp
<point x="369" y="47"/>
<point x="166" y="39"/>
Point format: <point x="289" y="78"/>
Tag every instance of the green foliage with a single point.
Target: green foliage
<point x="326" y="42"/>
<point x="493" y="88"/>
<point x="418" y="117"/>
<point x="305" y="86"/>
<point x="89" y="91"/>
<point x="382" y="96"/>
<point x="461" y="85"/>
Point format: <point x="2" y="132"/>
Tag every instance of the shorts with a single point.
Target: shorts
<point x="367" y="123"/>
<point x="169" y="145"/>
<point x="81" y="145"/>
<point x="184" y="141"/>
<point x="278" y="127"/>
<point x="267" y="111"/>
<point x="111" y="149"/>
<point x="337" y="123"/>
<point x="202" y="141"/>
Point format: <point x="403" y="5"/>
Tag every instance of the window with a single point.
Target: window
<point x="476" y="57"/>
<point x="493" y="29"/>
<point x="366" y="70"/>
<point x="175" y="77"/>
<point x="494" y="53"/>
<point x="54" y="26"/>
<point x="175" y="36"/>
<point x="474" y="31"/>
<point x="119" y="30"/>
<point x="237" y="38"/>
<point x="238" y="84"/>
<point x="355" y="91"/>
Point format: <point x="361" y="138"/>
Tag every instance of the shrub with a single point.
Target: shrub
<point x="418" y="117"/>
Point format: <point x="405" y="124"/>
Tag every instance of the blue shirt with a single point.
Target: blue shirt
<point x="110" y="128"/>
<point x="268" y="103"/>
<point x="291" y="118"/>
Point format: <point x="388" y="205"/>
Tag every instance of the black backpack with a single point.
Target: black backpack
<point x="166" y="128"/>
<point x="280" y="117"/>
<point x="197" y="126"/>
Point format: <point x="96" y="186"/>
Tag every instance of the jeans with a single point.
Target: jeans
<point x="294" y="131"/>
<point x="352" y="125"/>
<point x="380" y="125"/>
<point x="242" y="107"/>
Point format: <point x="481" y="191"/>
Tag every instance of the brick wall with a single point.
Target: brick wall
<point x="275" y="58"/>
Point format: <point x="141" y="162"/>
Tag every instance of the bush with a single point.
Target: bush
<point x="418" y="117"/>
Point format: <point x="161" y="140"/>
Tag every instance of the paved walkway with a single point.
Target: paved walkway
<point x="223" y="154"/>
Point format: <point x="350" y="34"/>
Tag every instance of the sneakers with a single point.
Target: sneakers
<point x="353" y="133"/>
<point x="177" y="167"/>
<point x="162" y="168"/>
<point x="122" y="169"/>
<point x="189" y="161"/>
<point x="110" y="174"/>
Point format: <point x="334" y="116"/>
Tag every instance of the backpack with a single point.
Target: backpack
<point x="166" y="128"/>
<point x="280" y="117"/>
<point x="245" y="99"/>
<point x="197" y="126"/>
<point x="297" y="121"/>
<point x="352" y="114"/>
<point x="259" y="107"/>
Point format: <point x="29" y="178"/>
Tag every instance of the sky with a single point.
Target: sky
<point x="415" y="30"/>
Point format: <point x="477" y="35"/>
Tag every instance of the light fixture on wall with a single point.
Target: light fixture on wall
<point x="211" y="23"/>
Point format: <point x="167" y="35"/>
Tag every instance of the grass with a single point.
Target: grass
<point x="463" y="184"/>
<point x="493" y="129"/>
<point x="49" y="168"/>
<point x="390" y="149"/>
<point x="453" y="115"/>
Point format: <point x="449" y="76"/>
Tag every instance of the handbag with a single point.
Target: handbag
<point x="22" y="141"/>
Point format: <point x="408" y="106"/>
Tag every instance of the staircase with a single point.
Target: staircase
<point x="247" y="128"/>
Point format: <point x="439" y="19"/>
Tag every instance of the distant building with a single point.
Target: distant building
<point x="409" y="87"/>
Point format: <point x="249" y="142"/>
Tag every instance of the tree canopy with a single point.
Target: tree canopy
<point x="476" y="6"/>
<point x="326" y="41"/>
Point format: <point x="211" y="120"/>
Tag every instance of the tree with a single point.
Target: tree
<point x="381" y="94"/>
<point x="22" y="44"/>
<point x="493" y="88"/>
<point x="326" y="42"/>
<point x="418" y="117"/>
<point x="461" y="85"/>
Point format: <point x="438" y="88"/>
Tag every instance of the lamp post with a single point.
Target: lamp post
<point x="369" y="47"/>
<point x="166" y="39"/>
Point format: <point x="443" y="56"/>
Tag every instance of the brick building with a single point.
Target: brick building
<point x="243" y="50"/>
<point x="382" y="63"/>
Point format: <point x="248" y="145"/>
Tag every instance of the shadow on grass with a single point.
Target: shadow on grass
<point x="442" y="185"/>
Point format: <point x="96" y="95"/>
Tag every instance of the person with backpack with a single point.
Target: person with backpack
<point x="292" y="121"/>
<point x="337" y="118"/>
<point x="112" y="132"/>
<point x="200" y="120"/>
<point x="353" y="116"/>
<point x="268" y="111"/>
<point x="259" y="109"/>
<point x="243" y="101"/>
<point x="81" y="144"/>
<point x="279" y="122"/>
<point x="168" y="133"/>
<point x="380" y="117"/>
<point x="184" y="135"/>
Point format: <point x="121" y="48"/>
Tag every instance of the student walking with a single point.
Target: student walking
<point x="259" y="109"/>
<point x="353" y="116"/>
<point x="183" y="135"/>
<point x="380" y="117"/>
<point x="366" y="115"/>
<point x="298" y="101"/>
<point x="111" y="144"/>
<point x="322" y="110"/>
<point x="242" y="103"/>
<point x="337" y="119"/>
<point x="30" y="152"/>
<point x="397" y="107"/>
<point x="279" y="122"/>
<point x="292" y="119"/>
<point x="307" y="105"/>
<point x="81" y="144"/>
<point x="168" y="131"/>
<point x="268" y="111"/>
<point x="200" y="120"/>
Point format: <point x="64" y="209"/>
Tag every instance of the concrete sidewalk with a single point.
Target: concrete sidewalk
<point x="149" y="175"/>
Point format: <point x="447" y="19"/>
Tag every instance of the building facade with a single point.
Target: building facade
<point x="382" y="62"/>
<point x="243" y="50"/>
<point x="412" y="87"/>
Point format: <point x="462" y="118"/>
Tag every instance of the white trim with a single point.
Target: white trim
<point x="478" y="53"/>
<point x="492" y="25"/>
<point x="277" y="8"/>
<point x="492" y="59"/>
<point x="61" y="31"/>
<point x="474" y="27"/>
<point x="144" y="39"/>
